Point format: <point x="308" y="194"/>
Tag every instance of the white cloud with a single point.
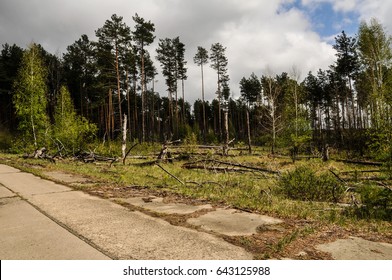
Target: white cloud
<point x="257" y="34"/>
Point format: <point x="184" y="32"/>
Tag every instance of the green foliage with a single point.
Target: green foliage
<point x="30" y="99"/>
<point x="70" y="129"/>
<point x="381" y="147"/>
<point x="250" y="89"/>
<point x="297" y="133"/>
<point x="376" y="203"/>
<point x="304" y="184"/>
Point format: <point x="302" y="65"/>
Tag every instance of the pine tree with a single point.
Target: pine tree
<point x="80" y="72"/>
<point x="167" y="57"/>
<point x="219" y="64"/>
<point x="10" y="60"/>
<point x="113" y="41"/>
<point x="250" y="93"/>
<point x="143" y="36"/>
<point x="181" y="70"/>
<point x="201" y="58"/>
<point x="30" y="97"/>
<point x="347" y="65"/>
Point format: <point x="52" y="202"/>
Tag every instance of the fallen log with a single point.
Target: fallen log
<point x="360" y="162"/>
<point x="92" y="157"/>
<point x="219" y="168"/>
<point x="211" y="164"/>
<point x="41" y="154"/>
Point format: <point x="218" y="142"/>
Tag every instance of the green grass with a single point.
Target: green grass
<point x="253" y="191"/>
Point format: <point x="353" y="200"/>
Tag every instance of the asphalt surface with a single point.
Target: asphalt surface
<point x="43" y="220"/>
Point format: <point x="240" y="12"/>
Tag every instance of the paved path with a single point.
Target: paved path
<point x="44" y="220"/>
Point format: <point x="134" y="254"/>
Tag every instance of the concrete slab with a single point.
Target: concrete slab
<point x="65" y="177"/>
<point x="156" y="204"/>
<point x="4" y="169"/>
<point x="5" y="192"/>
<point x="355" y="248"/>
<point x="25" y="233"/>
<point x="133" y="235"/>
<point x="27" y="184"/>
<point x="232" y="222"/>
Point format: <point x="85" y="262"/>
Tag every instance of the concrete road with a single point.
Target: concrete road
<point x="43" y="220"/>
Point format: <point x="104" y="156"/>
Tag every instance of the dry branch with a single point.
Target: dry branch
<point x="171" y="174"/>
<point x="127" y="153"/>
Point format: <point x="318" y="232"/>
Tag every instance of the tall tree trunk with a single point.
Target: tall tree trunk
<point x="183" y="102"/>
<point x="118" y="86"/>
<point x="219" y="108"/>
<point x="226" y="127"/>
<point x="135" y="111"/>
<point x="204" y="105"/>
<point x="124" y="137"/>
<point x="176" y="111"/>
<point x="143" y="96"/>
<point x="248" y="128"/>
<point x="128" y="106"/>
<point x="110" y="115"/>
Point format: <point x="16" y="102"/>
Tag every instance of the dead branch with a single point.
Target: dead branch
<point x="127" y="153"/>
<point x="215" y="183"/>
<point x="171" y="174"/>
<point x="337" y="176"/>
<point x="195" y="183"/>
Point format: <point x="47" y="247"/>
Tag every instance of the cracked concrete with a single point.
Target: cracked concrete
<point x="157" y="204"/>
<point x="96" y="222"/>
<point x="232" y="222"/>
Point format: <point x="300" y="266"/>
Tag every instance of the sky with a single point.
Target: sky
<point x="266" y="37"/>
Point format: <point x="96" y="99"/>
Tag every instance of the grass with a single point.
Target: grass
<point x="252" y="191"/>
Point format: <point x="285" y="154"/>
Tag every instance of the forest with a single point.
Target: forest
<point x="88" y="92"/>
<point x="315" y="151"/>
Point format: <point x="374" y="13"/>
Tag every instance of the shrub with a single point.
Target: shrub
<point x="304" y="184"/>
<point x="376" y="203"/>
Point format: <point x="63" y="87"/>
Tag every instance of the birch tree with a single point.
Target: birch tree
<point x="30" y="97"/>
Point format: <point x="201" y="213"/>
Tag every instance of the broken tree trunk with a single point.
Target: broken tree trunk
<point x="165" y="153"/>
<point x="124" y="138"/>
<point x="248" y="130"/>
<point x="39" y="153"/>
